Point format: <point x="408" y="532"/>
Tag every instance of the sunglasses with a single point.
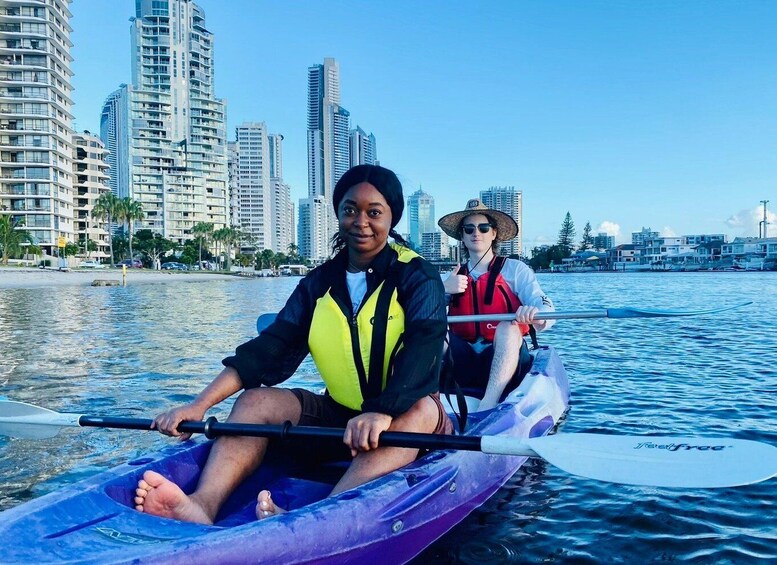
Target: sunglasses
<point x="469" y="229"/>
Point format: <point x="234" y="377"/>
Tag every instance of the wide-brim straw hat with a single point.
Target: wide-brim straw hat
<point x="506" y="228"/>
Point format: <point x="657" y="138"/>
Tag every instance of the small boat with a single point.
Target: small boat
<point x="391" y="519"/>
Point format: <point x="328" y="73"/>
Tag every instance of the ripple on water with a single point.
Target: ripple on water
<point x="141" y="349"/>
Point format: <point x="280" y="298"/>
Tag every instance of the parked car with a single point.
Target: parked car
<point x="90" y="264"/>
<point x="131" y="263"/>
<point x="174" y="266"/>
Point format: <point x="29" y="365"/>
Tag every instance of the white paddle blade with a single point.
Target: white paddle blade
<point x="26" y="421"/>
<point x="686" y="462"/>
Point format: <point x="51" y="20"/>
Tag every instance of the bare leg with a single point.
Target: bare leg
<point x="422" y="417"/>
<point x="230" y="461"/>
<point x="507" y="353"/>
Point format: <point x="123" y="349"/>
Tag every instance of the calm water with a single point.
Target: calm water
<point x="135" y="351"/>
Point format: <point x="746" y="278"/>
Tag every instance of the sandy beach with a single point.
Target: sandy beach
<point x="19" y="277"/>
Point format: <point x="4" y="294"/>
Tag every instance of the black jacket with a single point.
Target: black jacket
<point x="275" y="354"/>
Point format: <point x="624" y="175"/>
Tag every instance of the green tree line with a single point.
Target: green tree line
<point x="545" y="256"/>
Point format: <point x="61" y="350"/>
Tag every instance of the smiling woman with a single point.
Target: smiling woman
<point x="373" y="319"/>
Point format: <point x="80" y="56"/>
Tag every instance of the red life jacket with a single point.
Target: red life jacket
<point x="490" y="294"/>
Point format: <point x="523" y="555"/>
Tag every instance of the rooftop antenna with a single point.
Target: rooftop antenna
<point x="764" y="222"/>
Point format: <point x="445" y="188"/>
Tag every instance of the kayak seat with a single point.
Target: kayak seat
<point x="293" y="485"/>
<point x="289" y="493"/>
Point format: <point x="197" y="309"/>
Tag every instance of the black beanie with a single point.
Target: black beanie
<point x="384" y="180"/>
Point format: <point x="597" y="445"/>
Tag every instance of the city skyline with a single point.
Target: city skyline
<point x="625" y="115"/>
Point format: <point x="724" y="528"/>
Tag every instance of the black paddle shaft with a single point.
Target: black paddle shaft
<point x="212" y="428"/>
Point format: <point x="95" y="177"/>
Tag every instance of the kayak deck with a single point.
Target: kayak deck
<point x="391" y="518"/>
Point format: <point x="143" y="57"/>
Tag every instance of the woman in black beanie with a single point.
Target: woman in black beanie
<point x="373" y="318"/>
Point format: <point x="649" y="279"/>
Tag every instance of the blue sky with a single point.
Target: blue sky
<point x="660" y="114"/>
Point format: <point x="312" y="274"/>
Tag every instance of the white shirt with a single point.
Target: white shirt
<point x="357" y="288"/>
<point x="523" y="282"/>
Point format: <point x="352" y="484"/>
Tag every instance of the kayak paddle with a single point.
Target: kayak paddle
<point x="268" y="318"/>
<point x="636" y="460"/>
<point x="615" y="313"/>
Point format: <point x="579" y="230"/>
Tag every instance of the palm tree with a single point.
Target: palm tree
<point x="107" y="208"/>
<point x="202" y="231"/>
<point x="12" y="235"/>
<point x="219" y="236"/>
<point x="293" y="253"/>
<point x="229" y="237"/>
<point x="129" y="212"/>
<point x="34" y="250"/>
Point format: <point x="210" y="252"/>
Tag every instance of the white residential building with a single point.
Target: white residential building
<point x="668" y="249"/>
<point x="639" y="238"/>
<point x="115" y="131"/>
<point x="282" y="207"/>
<point x="253" y="191"/>
<point x="260" y="202"/>
<point x="36" y="164"/>
<point x="282" y="216"/>
<point x="510" y="201"/>
<point x="178" y="156"/>
<point x="90" y="170"/>
<point x="434" y="246"/>
<point x="232" y="183"/>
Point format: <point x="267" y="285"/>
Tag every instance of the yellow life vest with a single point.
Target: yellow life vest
<point x="348" y="353"/>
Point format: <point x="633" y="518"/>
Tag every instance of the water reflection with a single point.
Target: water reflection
<point x="135" y="351"/>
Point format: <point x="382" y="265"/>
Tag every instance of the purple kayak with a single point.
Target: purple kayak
<point x="391" y="519"/>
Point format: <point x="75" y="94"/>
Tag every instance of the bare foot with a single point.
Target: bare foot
<point x="265" y="507"/>
<point x="159" y="496"/>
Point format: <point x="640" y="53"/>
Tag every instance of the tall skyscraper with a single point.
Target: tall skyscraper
<point x="260" y="202"/>
<point x="254" y="193"/>
<point x="178" y="154"/>
<point x="232" y="183"/>
<point x="91" y="180"/>
<point x="328" y="158"/>
<point x="36" y="170"/>
<point x="282" y="206"/>
<point x="115" y="132"/>
<point x="420" y="216"/>
<point x="510" y="201"/>
<point x="363" y="150"/>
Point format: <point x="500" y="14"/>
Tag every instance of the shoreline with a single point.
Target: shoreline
<point x="23" y="277"/>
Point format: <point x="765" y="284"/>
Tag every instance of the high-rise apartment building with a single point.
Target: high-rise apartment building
<point x="36" y="170"/>
<point x="420" y="216"/>
<point x="260" y="202"/>
<point x="252" y="185"/>
<point x="363" y="150"/>
<point x="178" y="155"/>
<point x="603" y="242"/>
<point x="282" y="207"/>
<point x="434" y="245"/>
<point x="232" y="183"/>
<point x="328" y="158"/>
<point x="639" y="238"/>
<point x="90" y="171"/>
<point x="510" y="201"/>
<point x="282" y="216"/>
<point x="115" y="131"/>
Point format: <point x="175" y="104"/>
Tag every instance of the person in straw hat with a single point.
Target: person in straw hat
<point x="487" y="356"/>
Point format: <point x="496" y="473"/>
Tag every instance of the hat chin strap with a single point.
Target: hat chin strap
<point x="472" y="268"/>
